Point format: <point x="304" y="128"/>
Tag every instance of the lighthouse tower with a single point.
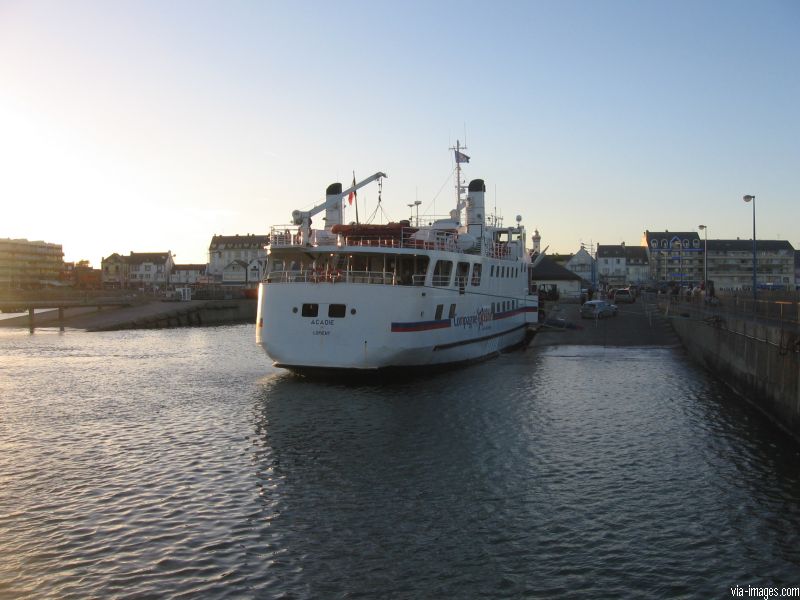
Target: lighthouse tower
<point x="537" y="242"/>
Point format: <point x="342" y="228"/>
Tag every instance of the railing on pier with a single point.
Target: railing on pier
<point x="779" y="307"/>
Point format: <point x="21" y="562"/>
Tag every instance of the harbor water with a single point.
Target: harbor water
<point x="179" y="463"/>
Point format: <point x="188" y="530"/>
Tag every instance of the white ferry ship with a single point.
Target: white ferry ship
<point x="369" y="297"/>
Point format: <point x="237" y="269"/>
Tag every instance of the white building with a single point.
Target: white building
<point x="582" y="264"/>
<point x="150" y="269"/>
<point x="235" y="272"/>
<point x="619" y="265"/>
<point x="256" y="270"/>
<point x="225" y="249"/>
<point x="188" y="274"/>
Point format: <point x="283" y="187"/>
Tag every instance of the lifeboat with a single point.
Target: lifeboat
<point x="374" y="230"/>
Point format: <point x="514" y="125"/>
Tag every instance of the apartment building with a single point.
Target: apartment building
<point x="674" y="256"/>
<point x="30" y="264"/>
<point x="730" y="264"/>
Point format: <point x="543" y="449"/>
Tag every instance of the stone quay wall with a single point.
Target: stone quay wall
<point x="757" y="357"/>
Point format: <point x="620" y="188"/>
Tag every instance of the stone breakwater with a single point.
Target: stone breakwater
<point x="151" y="315"/>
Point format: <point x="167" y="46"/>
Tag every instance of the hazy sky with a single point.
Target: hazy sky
<point x="148" y="126"/>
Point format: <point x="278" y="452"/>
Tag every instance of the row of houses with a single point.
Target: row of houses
<point x="683" y="258"/>
<point x="232" y="260"/>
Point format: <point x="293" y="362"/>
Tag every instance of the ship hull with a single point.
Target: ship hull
<point x="379" y="327"/>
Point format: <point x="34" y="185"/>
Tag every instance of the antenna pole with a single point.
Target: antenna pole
<point x="458" y="148"/>
<point x="458" y="174"/>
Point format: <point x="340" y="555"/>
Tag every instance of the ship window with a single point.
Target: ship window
<point x="452" y="311"/>
<point x="462" y="271"/>
<point x="310" y="310"/>
<point x="337" y="310"/>
<point x="439" y="310"/>
<point x="491" y="271"/>
<point x="476" y="274"/>
<point x="441" y="273"/>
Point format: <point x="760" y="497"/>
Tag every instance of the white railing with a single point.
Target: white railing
<point x="332" y="276"/>
<point x="286" y="236"/>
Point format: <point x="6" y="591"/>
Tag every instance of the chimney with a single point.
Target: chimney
<point x="475" y="207"/>
<point x="333" y="212"/>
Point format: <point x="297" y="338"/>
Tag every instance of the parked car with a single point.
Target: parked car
<point x="598" y="309"/>
<point x="624" y="295"/>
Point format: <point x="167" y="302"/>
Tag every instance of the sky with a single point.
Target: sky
<point x="150" y="126"/>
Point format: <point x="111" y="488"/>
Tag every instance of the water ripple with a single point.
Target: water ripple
<point x="155" y="464"/>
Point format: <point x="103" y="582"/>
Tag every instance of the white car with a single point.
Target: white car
<point x="624" y="295"/>
<point x="598" y="309"/>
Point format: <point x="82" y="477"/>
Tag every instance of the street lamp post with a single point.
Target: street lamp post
<point x="704" y="229"/>
<point x="750" y="198"/>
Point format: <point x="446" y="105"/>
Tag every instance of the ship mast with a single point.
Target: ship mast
<point x="460" y="157"/>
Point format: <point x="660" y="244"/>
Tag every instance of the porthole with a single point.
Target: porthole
<point x="294" y="310"/>
<point x="352" y="311"/>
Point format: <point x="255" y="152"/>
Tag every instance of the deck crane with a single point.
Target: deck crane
<point x="332" y="205"/>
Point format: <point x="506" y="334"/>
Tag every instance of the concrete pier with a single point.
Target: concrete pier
<point x="151" y="315"/>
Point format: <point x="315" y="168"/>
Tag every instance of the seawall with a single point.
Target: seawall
<point x="760" y="359"/>
<point x="180" y="314"/>
<point x="151" y="315"/>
